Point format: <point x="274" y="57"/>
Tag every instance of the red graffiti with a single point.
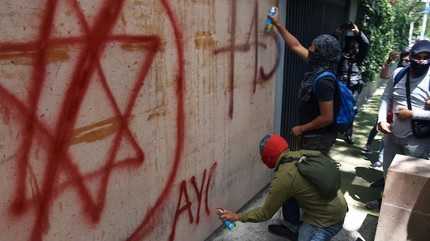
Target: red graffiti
<point x="57" y="140"/>
<point x="233" y="47"/>
<point x="199" y="193"/>
<point x="186" y="205"/>
<point x="180" y="209"/>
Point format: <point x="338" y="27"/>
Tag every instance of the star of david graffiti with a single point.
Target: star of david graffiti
<point x="57" y="140"/>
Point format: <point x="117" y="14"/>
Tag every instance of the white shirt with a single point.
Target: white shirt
<point x="420" y="93"/>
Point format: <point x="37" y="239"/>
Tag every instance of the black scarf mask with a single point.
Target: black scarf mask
<point x="327" y="53"/>
<point x="326" y="56"/>
<point x="420" y="67"/>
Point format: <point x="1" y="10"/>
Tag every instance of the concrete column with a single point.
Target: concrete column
<point x="405" y="212"/>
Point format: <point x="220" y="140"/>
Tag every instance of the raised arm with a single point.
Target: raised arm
<point x="292" y="42"/>
<point x="385" y="71"/>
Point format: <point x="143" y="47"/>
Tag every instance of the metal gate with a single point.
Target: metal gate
<point x="305" y="19"/>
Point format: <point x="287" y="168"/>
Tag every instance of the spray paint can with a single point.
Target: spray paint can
<point x="273" y="11"/>
<point x="229" y="225"/>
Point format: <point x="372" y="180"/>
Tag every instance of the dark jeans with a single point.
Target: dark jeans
<point x="372" y="133"/>
<point x="322" y="143"/>
<point x="291" y="212"/>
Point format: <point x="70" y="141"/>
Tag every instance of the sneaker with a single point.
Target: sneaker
<point x="283" y="231"/>
<point x="376" y="164"/>
<point x="366" y="149"/>
<point x="348" y="140"/>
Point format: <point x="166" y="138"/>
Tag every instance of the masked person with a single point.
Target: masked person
<point x="408" y="87"/>
<point x="409" y="133"/>
<point x="355" y="48"/>
<point x="317" y="106"/>
<point x="311" y="178"/>
<point x="386" y="73"/>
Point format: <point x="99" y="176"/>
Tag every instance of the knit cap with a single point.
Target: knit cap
<point x="271" y="147"/>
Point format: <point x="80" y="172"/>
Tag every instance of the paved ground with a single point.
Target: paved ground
<point x="356" y="178"/>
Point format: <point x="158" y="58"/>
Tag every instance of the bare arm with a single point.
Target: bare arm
<point x="324" y="119"/>
<point x="292" y="42"/>
<point x="385" y="71"/>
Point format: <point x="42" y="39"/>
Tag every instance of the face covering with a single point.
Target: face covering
<point x="314" y="59"/>
<point x="420" y="67"/>
<point x="327" y="52"/>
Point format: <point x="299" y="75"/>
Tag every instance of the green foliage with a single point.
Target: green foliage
<point x="387" y="26"/>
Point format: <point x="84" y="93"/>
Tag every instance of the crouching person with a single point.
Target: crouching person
<point x="311" y="178"/>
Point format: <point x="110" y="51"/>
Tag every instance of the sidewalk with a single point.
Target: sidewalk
<point x="356" y="179"/>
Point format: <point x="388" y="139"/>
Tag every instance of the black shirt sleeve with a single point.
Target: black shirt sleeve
<point x="325" y="89"/>
<point x="364" y="46"/>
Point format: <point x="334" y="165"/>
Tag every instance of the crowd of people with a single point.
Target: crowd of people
<point x="306" y="181"/>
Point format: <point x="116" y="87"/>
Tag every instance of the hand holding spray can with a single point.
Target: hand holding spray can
<point x="273" y="11"/>
<point x="229" y="225"/>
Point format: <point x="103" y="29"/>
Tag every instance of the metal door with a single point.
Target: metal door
<point x="305" y="19"/>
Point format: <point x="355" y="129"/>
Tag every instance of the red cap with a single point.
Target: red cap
<point x="271" y="147"/>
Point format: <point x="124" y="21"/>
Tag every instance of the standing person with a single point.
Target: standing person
<point x="386" y="73"/>
<point x="408" y="94"/>
<point x="324" y="206"/>
<point x="317" y="106"/>
<point x="355" y="48"/>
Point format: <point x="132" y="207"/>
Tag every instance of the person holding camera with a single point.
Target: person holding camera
<point x="355" y="48"/>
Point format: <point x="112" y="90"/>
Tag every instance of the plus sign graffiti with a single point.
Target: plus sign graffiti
<point x="260" y="75"/>
<point x="57" y="140"/>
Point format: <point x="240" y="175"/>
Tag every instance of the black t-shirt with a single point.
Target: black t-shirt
<point x="327" y="90"/>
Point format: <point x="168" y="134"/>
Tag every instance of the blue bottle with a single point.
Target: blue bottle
<point x="229" y="225"/>
<point x="269" y="23"/>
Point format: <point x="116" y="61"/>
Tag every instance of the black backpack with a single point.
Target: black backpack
<point x="320" y="170"/>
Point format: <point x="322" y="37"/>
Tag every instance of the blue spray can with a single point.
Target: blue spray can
<point x="273" y="11"/>
<point x="229" y="225"/>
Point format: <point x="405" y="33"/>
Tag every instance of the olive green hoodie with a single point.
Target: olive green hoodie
<point x="289" y="183"/>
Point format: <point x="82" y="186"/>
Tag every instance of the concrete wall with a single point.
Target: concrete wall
<point x="405" y="211"/>
<point x="131" y="119"/>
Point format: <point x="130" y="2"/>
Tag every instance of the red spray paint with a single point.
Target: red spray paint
<point x="259" y="74"/>
<point x="56" y="142"/>
<point x="182" y="207"/>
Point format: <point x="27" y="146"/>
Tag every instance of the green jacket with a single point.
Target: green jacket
<point x="289" y="183"/>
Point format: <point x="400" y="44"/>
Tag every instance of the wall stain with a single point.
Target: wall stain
<point x="204" y="40"/>
<point x="157" y="111"/>
<point x="143" y="46"/>
<point x="95" y="131"/>
<point x="54" y="54"/>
